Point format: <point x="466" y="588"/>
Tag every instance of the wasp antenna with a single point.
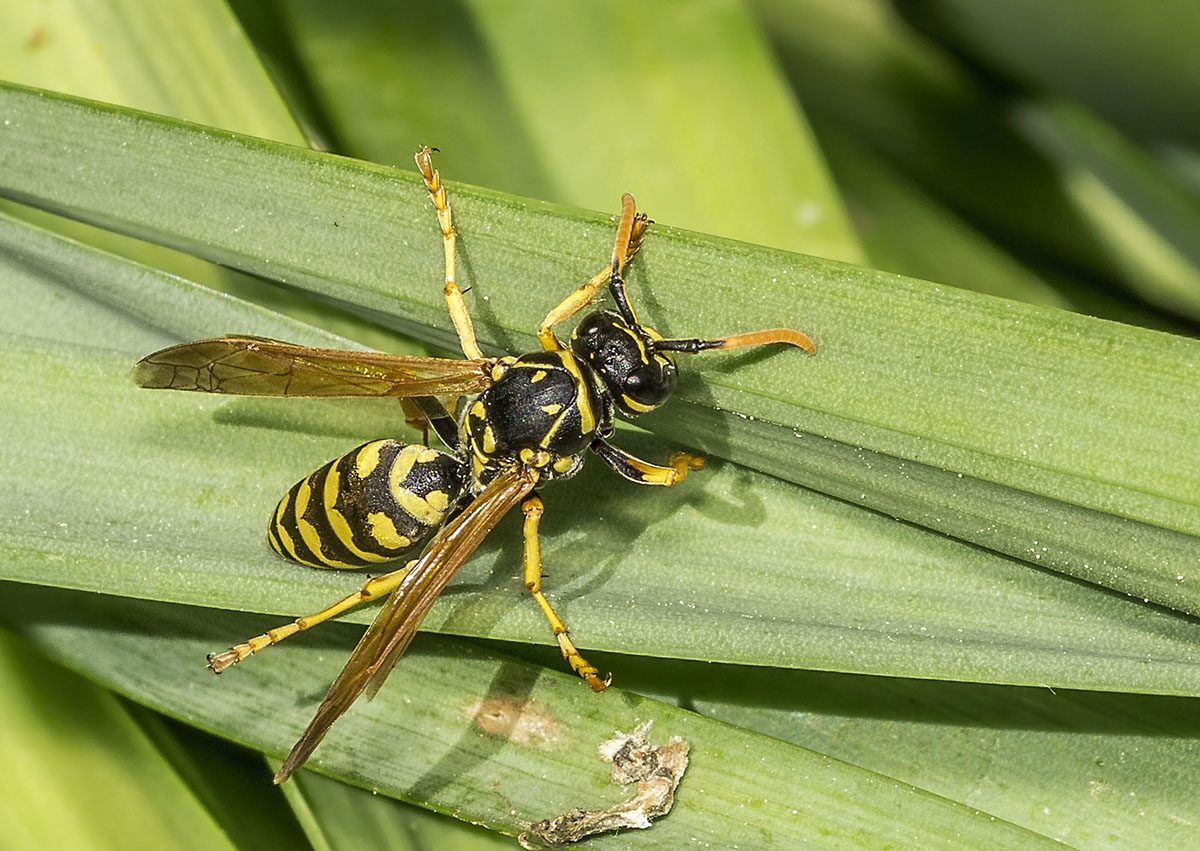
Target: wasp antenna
<point x="739" y="341"/>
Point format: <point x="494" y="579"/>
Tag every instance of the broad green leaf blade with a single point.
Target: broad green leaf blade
<point x="749" y="170"/>
<point x="441" y="87"/>
<point x="1124" y="766"/>
<point x="89" y="778"/>
<point x="908" y="231"/>
<point x="991" y="389"/>
<point x="817" y="583"/>
<point x="420" y="740"/>
<point x="914" y="102"/>
<point x="472" y="79"/>
<point x="188" y="60"/>
<point x="192" y="63"/>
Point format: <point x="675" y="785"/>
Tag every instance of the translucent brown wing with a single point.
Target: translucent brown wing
<point x="257" y="366"/>
<point x="396" y="624"/>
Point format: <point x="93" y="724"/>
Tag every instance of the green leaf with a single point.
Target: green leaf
<point x="818" y="582"/>
<point x="501" y="743"/>
<point x="1090" y="770"/>
<point x="855" y="65"/>
<point x="188" y="60"/>
<point x="98" y="465"/>
<point x="1033" y="432"/>
<point x="907" y="231"/>
<point x="591" y="129"/>
<point x="231" y="782"/>
<point x="1149" y="223"/>
<point x="1136" y="66"/>
<point x="1100" y="204"/>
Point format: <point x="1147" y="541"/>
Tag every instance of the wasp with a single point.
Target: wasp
<point x="525" y="421"/>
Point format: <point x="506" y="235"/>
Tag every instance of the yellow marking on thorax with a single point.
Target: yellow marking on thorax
<point x="538" y="376"/>
<point x="552" y="409"/>
<point x="550" y="432"/>
<point x="587" y="417"/>
<point x="489" y="440"/>
<point x="501" y="366"/>
<point x="537" y="459"/>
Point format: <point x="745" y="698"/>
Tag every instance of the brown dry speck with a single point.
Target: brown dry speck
<point x="523" y="722"/>
<point x="657" y="772"/>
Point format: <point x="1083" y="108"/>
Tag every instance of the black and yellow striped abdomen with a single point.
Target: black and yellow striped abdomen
<point x="373" y="504"/>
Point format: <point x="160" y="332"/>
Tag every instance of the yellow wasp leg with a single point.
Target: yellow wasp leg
<point x="372" y="589"/>
<point x="645" y="473"/>
<point x="630" y="229"/>
<point x="532" y="509"/>
<point x="454" y="296"/>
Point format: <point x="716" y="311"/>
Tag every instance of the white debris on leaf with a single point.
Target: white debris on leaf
<point x="656" y="771"/>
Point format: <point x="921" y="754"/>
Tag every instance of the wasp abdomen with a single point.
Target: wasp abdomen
<point x="373" y="504"/>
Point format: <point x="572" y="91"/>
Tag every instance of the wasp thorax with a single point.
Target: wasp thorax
<point x="622" y="355"/>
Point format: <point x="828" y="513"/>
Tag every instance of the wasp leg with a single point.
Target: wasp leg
<point x="435" y="414"/>
<point x="630" y="230"/>
<point x="454" y="296"/>
<point x="532" y="509"/>
<point x="414" y="418"/>
<point x="645" y="473"/>
<point x="372" y="589"/>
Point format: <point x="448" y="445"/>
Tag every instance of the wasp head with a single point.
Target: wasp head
<point x="622" y="355"/>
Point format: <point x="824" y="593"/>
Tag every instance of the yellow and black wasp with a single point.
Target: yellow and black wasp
<point x="532" y="420"/>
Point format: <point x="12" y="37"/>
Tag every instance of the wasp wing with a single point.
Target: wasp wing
<point x="257" y="366"/>
<point x="396" y="624"/>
